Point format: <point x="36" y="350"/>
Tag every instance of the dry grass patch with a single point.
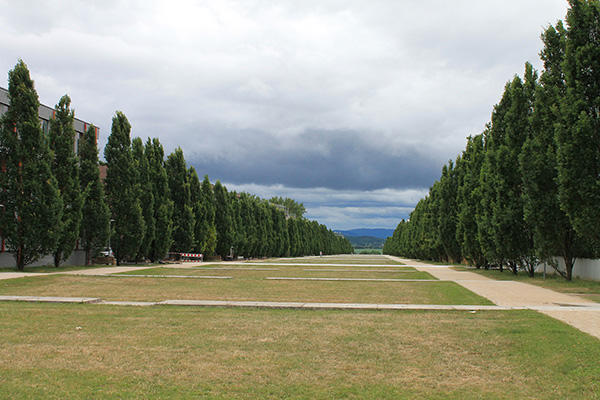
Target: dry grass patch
<point x="288" y="271"/>
<point x="149" y="289"/>
<point x="248" y="354"/>
<point x="357" y="259"/>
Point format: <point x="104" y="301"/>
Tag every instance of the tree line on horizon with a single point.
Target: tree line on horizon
<point x="147" y="206"/>
<point x="527" y="189"/>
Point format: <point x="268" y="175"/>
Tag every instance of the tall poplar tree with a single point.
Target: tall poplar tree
<point x="65" y="169"/>
<point x="282" y="240"/>
<point x="163" y="205"/>
<point x="240" y="239"/>
<point x="448" y="213"/>
<point x="553" y="233"/>
<point x="223" y="220"/>
<point x="208" y="230"/>
<point x="197" y="209"/>
<point x="485" y="193"/>
<point x="503" y="186"/>
<point x="29" y="191"/>
<point x="146" y="197"/>
<point x="123" y="191"/>
<point x="183" y="214"/>
<point x="95" y="222"/>
<point x="512" y="235"/>
<point x="468" y="198"/>
<point x="578" y="134"/>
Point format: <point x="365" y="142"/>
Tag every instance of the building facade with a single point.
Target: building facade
<point x="46" y="113"/>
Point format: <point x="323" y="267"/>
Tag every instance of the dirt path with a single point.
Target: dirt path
<point x="573" y="310"/>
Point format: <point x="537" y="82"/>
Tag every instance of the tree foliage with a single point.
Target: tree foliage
<point x="141" y="163"/>
<point x="29" y="194"/>
<point x="223" y="221"/>
<point x="123" y="191"/>
<point x="163" y="205"/>
<point x="578" y="130"/>
<point x="95" y="222"/>
<point x="208" y="240"/>
<point x="183" y="213"/>
<point x="529" y="185"/>
<point x="292" y="207"/>
<point x="66" y="170"/>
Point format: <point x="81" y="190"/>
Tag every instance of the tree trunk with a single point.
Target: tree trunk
<point x="569" y="264"/>
<point x="88" y="258"/>
<point x="20" y="261"/>
<point x="512" y="265"/>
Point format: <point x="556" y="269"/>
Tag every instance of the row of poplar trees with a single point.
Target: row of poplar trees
<point x="146" y="207"/>
<point x="527" y="189"/>
<point x="160" y="205"/>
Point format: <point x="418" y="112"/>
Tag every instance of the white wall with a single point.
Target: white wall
<point x="77" y="258"/>
<point x="584" y="268"/>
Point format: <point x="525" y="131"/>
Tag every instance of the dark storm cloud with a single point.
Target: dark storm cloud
<point x="337" y="160"/>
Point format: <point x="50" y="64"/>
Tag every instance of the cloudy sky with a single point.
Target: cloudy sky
<point x="351" y="107"/>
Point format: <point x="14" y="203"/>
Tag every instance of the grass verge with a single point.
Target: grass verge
<point x="289" y="271"/>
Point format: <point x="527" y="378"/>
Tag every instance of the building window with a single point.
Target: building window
<point x="45" y="127"/>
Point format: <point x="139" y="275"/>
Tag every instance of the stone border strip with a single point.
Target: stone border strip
<point x="300" y="305"/>
<point x="362" y="270"/>
<point x="160" y="276"/>
<point x="232" y="269"/>
<point x="47" y="299"/>
<point x="278" y="278"/>
<point x="293" y="264"/>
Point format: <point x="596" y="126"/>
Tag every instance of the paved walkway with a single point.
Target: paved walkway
<point x="575" y="311"/>
<point x="90" y="271"/>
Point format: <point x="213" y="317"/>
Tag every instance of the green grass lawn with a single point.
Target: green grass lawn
<point x="218" y="353"/>
<point x="58" y="351"/>
<point x="368" y="251"/>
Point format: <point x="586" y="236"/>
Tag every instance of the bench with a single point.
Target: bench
<point x="105" y="260"/>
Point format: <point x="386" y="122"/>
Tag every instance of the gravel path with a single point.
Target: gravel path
<point x="573" y="310"/>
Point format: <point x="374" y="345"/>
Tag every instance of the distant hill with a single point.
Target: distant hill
<point x="366" y="242"/>
<point x="365" y="238"/>
<point x="378" y="233"/>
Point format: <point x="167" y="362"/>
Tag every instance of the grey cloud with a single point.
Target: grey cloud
<point x="345" y="209"/>
<point x="338" y="160"/>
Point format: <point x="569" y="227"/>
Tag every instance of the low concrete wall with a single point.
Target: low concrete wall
<point x="77" y="258"/>
<point x="584" y="268"/>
